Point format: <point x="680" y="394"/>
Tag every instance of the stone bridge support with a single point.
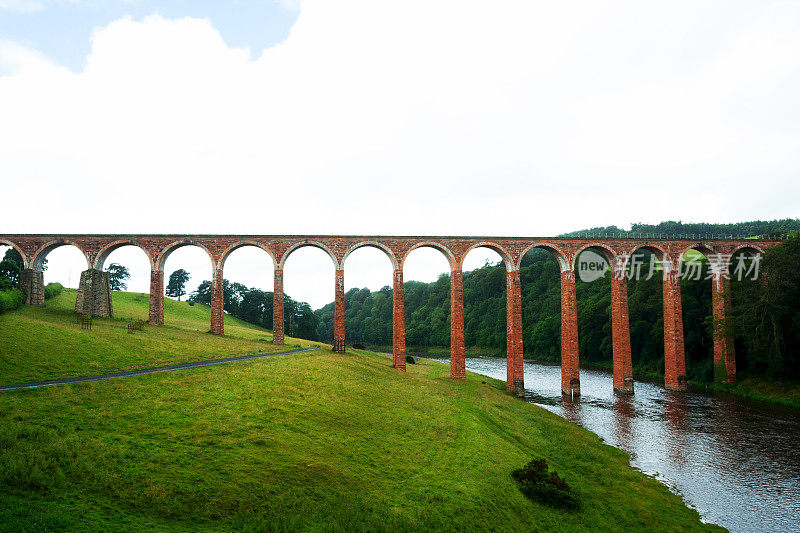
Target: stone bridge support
<point x="94" y="294"/>
<point x="156" y="314"/>
<point x="515" y="379"/>
<point x="724" y="356"/>
<point x="277" y="308"/>
<point x="674" y="354"/>
<point x="457" y="363"/>
<point x="338" y="313"/>
<point x="621" y="332"/>
<point x="31" y="282"/>
<point x="570" y="374"/>
<point x="217" y="302"/>
<point x="398" y="322"/>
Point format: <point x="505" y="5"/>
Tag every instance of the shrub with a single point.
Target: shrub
<point x="52" y="290"/>
<point x="544" y="487"/>
<point x="11" y="299"/>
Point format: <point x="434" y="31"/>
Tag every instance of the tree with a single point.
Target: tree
<point x="177" y="283"/>
<point x="9" y="270"/>
<point x="13" y="255"/>
<point x="117" y="274"/>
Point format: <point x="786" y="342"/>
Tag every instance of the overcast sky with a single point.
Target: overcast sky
<point x="377" y="117"/>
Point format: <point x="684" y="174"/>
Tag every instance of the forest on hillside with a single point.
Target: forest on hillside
<point x="427" y="305"/>
<point x="368" y="314"/>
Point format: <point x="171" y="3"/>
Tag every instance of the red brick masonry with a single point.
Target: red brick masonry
<point x="96" y="248"/>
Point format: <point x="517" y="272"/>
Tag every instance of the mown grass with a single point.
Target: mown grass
<point x="313" y="441"/>
<point x="46" y="342"/>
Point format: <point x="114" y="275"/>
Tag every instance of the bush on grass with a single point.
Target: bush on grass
<point x="544" y="487"/>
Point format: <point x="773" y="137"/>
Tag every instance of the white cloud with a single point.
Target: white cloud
<point x="413" y="118"/>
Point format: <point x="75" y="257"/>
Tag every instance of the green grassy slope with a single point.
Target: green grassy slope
<point x="315" y="441"/>
<point x="45" y="342"/>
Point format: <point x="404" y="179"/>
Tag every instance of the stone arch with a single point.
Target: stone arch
<point x="102" y="256"/>
<point x="658" y="251"/>
<point x="161" y="259"/>
<point x="18" y="249"/>
<point x="556" y="253"/>
<point x="608" y="253"/>
<point x="502" y="252"/>
<point x="242" y="244"/>
<point x="448" y="254"/>
<point x="41" y="253"/>
<point x="315" y="244"/>
<point x="373" y="244"/>
<point x="738" y="248"/>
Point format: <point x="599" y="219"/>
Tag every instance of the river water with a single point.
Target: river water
<point x="736" y="461"/>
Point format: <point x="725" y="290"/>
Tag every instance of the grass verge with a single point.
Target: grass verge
<point x="314" y="441"/>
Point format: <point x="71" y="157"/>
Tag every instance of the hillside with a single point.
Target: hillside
<point x="312" y="441"/>
<point x="45" y="342"/>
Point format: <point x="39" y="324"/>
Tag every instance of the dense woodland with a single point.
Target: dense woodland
<point x="768" y="349"/>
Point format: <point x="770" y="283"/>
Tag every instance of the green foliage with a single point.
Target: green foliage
<point x="11" y="299"/>
<point x="255" y="306"/>
<point x="368" y="315"/>
<point x="766" y="315"/>
<point x="10" y="270"/>
<point x="52" y="290"/>
<point x="177" y="284"/>
<point x="545" y="487"/>
<point x="117" y="274"/>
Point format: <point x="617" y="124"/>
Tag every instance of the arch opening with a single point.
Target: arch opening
<point x="187" y="270"/>
<point x="61" y="262"/>
<point x="19" y="257"/>
<point x="540" y="278"/>
<point x="426" y="298"/>
<point x="644" y="273"/>
<point x="248" y="284"/>
<point x="10" y="272"/>
<point x="126" y="258"/>
<point x="305" y="246"/>
<point x="484" y="281"/>
<point x="593" y="265"/>
<point x="368" y="297"/>
<point x="309" y="284"/>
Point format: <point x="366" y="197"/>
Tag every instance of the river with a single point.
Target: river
<point x="736" y="461"/>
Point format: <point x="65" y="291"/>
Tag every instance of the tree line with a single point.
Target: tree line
<point x="767" y="343"/>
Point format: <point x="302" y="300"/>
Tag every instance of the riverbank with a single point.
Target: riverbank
<point x="776" y="392"/>
<point x="310" y="441"/>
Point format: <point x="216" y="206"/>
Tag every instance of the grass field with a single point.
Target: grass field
<point x="313" y="441"/>
<point x="45" y="342"/>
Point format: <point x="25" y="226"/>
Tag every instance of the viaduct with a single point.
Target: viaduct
<point x="94" y="296"/>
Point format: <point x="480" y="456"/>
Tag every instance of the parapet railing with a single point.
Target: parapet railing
<point x="671" y="236"/>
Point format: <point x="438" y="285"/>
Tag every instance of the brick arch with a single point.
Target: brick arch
<point x="559" y="255"/>
<point x="18" y="249"/>
<point x="161" y="258"/>
<point x="608" y="253"/>
<point x="739" y="248"/>
<point x="372" y="244"/>
<point x="448" y="254"/>
<point x="502" y="252"/>
<point x="241" y="244"/>
<point x="104" y="252"/>
<point x="41" y="254"/>
<point x="315" y="244"/>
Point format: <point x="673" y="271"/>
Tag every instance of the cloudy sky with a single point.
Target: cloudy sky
<point x="379" y="117"/>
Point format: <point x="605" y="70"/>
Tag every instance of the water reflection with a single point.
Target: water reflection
<point x="736" y="461"/>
